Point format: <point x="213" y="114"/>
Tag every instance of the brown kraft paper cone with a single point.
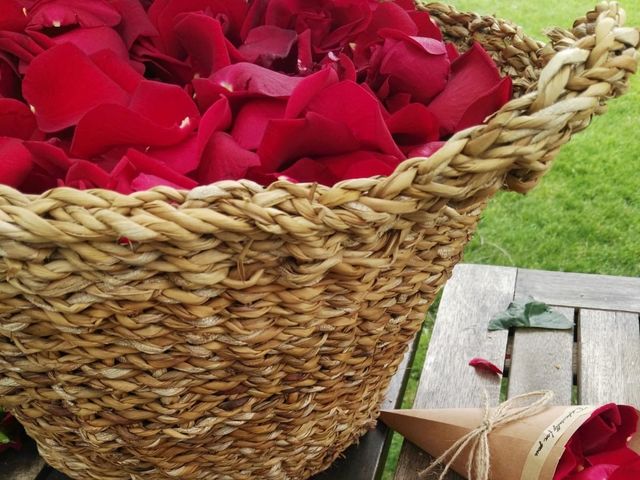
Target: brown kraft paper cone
<point x="528" y="449"/>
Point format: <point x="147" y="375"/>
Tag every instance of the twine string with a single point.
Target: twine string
<point x="477" y="440"/>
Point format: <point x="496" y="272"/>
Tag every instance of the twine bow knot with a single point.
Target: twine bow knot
<point x="477" y="440"/>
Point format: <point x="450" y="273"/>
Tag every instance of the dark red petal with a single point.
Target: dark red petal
<point x="84" y="174"/>
<point x="126" y="176"/>
<point x="426" y="26"/>
<point x="452" y="52"/>
<point x="160" y="65"/>
<point x="92" y="40"/>
<point x="251" y="120"/>
<point x="216" y="118"/>
<point x="12" y="17"/>
<point x="108" y="125"/>
<point x="360" y="164"/>
<point x="203" y="39"/>
<point x="387" y="15"/>
<point x="135" y="22"/>
<point x="118" y="70"/>
<point x="305" y="52"/>
<point x="267" y="43"/>
<point x="416" y="65"/>
<point x="291" y="139"/>
<point x="308" y="88"/>
<point x="16" y="120"/>
<point x="164" y="104"/>
<point x="163" y="14"/>
<point x="630" y="471"/>
<point x="9" y="80"/>
<point x="60" y="13"/>
<point x="49" y="156"/>
<point x="413" y="126"/>
<point x="15" y="162"/>
<point x="24" y="47"/>
<point x="308" y="170"/>
<point x="56" y="85"/>
<point x="349" y="103"/>
<point x="182" y="157"/>
<point x="473" y="76"/>
<point x="250" y="78"/>
<point x="224" y="159"/>
<point x="486" y="104"/>
<point x="485" y="366"/>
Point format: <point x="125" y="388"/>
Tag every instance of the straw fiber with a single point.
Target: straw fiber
<point x="239" y="332"/>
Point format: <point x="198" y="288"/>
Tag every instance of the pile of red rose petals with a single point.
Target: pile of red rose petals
<point x="130" y="94"/>
<point x="599" y="449"/>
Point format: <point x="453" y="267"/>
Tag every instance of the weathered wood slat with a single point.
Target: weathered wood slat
<point x="609" y="357"/>
<point x="366" y="460"/>
<point x="543" y="360"/>
<point x="597" y="292"/>
<point x="23" y="465"/>
<point x="472" y="296"/>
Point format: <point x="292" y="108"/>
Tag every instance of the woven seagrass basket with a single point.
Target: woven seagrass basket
<point x="249" y="332"/>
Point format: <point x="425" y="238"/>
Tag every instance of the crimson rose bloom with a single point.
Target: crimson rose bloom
<point x="129" y="94"/>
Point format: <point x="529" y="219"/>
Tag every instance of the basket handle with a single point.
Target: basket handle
<point x="513" y="150"/>
<point x="586" y="67"/>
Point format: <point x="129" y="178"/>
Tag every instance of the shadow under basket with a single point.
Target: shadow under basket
<point x="245" y="332"/>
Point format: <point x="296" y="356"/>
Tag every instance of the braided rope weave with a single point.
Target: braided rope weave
<point x="249" y="333"/>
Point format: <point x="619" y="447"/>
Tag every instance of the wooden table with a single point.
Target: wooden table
<point x="598" y="362"/>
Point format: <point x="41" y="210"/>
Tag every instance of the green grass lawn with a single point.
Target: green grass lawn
<point x="585" y="215"/>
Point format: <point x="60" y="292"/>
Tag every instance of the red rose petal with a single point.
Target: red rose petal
<point x="55" y="84"/>
<point x="351" y="104"/>
<point x="16" y="162"/>
<point x="360" y="164"/>
<point x="224" y="159"/>
<point x="60" y="13"/>
<point x="118" y="70"/>
<point x="249" y="78"/>
<point x="107" y="126"/>
<point x="126" y="176"/>
<point x="291" y="139"/>
<point x="163" y="14"/>
<point x="216" y="118"/>
<point x="486" y="105"/>
<point x="16" y="120"/>
<point x="627" y="472"/>
<point x="305" y="52"/>
<point x="307" y="89"/>
<point x="474" y="77"/>
<point x="413" y="126"/>
<point x="92" y="40"/>
<point x="9" y="80"/>
<point x="12" y="17"/>
<point x="164" y="104"/>
<point x="203" y="39"/>
<point x="160" y="65"/>
<point x="485" y="366"/>
<point x="251" y="120"/>
<point x="308" y="170"/>
<point x="426" y="26"/>
<point x="267" y="43"/>
<point x="417" y="65"/>
<point x="24" y="47"/>
<point x="135" y="22"/>
<point x="83" y="175"/>
<point x="182" y="157"/>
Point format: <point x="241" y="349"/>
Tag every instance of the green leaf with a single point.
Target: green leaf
<point x="4" y="439"/>
<point x="530" y="314"/>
